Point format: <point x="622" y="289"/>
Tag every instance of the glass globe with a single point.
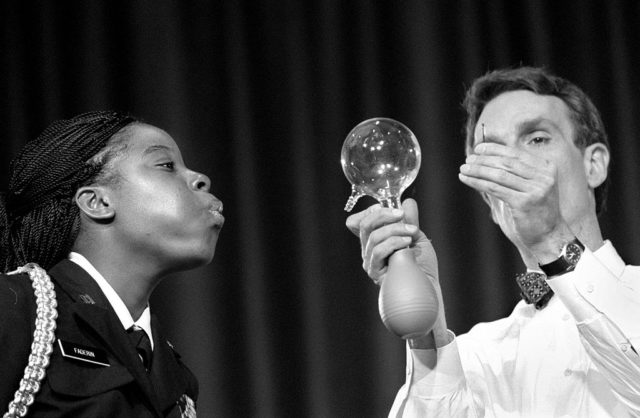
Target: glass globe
<point x="380" y="158"/>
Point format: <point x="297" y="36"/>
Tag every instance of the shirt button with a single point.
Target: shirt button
<point x="567" y="372"/>
<point x="590" y="288"/>
<point x="624" y="347"/>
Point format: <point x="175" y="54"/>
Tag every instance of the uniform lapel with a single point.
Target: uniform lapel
<point x="93" y="313"/>
<point x="167" y="375"/>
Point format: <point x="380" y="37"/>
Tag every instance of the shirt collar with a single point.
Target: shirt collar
<point x="608" y="256"/>
<point x="114" y="299"/>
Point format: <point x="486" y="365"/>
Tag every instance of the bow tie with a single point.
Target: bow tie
<point x="534" y="288"/>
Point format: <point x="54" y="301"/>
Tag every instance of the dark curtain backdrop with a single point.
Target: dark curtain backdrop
<point x="260" y="96"/>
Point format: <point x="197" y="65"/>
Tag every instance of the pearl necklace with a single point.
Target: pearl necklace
<point x="43" y="338"/>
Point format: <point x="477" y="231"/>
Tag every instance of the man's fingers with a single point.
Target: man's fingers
<point x="386" y="232"/>
<point x="498" y="176"/>
<point x="410" y="208"/>
<point x="522" y="180"/>
<point x="363" y="223"/>
<point x="517" y="160"/>
<point x="382" y="231"/>
<point x="497" y="190"/>
<point x="515" y="166"/>
<point x="499" y="150"/>
<point x="353" y="221"/>
<point x="376" y="263"/>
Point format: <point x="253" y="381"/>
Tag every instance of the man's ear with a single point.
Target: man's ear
<point x="596" y="164"/>
<point x="94" y="202"/>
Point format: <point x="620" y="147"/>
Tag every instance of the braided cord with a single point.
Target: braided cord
<point x="43" y="338"/>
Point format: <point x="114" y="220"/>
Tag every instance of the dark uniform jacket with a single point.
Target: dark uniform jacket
<point x="78" y="388"/>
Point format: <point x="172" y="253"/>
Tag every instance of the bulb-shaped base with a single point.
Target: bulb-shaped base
<point x="407" y="302"/>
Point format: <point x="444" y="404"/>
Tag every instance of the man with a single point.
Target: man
<point x="106" y="206"/>
<point x="538" y="154"/>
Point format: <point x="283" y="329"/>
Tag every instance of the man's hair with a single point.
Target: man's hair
<point x="586" y="119"/>
<point x="39" y="218"/>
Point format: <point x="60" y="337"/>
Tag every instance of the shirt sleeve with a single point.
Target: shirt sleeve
<point x="435" y="385"/>
<point x="606" y="308"/>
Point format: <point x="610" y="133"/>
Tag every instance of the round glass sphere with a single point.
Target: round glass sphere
<point x="380" y="158"/>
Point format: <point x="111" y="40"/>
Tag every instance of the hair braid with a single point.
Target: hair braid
<point x="3" y="231"/>
<point x="38" y="215"/>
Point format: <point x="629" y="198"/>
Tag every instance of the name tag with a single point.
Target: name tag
<point x="83" y="353"/>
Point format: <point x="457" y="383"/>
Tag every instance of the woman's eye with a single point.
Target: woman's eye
<point x="169" y="164"/>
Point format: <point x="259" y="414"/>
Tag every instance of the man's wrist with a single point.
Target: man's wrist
<point x="549" y="249"/>
<point x="425" y="342"/>
<point x="438" y="337"/>
<point x="566" y="261"/>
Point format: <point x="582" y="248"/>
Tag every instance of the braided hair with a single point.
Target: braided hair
<point x="39" y="219"/>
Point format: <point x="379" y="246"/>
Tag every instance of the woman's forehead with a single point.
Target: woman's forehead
<point x="145" y="138"/>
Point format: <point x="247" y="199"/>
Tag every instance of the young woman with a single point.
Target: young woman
<point x="105" y="207"/>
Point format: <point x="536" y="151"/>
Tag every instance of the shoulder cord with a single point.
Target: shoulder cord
<point x="43" y="338"/>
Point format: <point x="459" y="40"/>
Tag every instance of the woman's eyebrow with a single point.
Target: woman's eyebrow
<point x="153" y="148"/>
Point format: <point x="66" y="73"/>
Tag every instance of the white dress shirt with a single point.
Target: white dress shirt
<point x="114" y="299"/>
<point x="577" y="357"/>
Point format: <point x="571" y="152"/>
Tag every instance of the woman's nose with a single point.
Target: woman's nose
<point x="201" y="182"/>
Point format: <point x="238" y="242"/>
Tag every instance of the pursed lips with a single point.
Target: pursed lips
<point x="216" y="211"/>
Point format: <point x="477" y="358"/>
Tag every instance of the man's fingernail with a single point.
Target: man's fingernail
<point x="396" y="212"/>
<point x="411" y="228"/>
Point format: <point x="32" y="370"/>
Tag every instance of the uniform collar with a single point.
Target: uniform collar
<point x="114" y="299"/>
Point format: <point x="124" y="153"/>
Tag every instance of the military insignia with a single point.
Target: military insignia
<point x="83" y="353"/>
<point x="87" y="299"/>
<point x="187" y="407"/>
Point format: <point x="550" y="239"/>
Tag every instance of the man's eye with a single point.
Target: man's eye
<point x="539" y="140"/>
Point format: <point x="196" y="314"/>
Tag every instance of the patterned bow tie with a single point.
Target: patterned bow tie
<point x="534" y="288"/>
<point x="187" y="407"/>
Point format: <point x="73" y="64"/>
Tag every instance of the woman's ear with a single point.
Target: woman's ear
<point x="596" y="164"/>
<point x="94" y="202"/>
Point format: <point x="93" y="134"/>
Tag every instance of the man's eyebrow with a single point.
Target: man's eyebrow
<point x="488" y="138"/>
<point x="154" y="148"/>
<point x="522" y="127"/>
<point x="533" y="124"/>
